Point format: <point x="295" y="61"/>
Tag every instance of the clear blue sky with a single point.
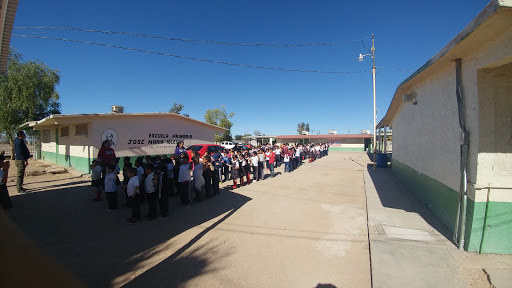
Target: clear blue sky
<point x="407" y="34"/>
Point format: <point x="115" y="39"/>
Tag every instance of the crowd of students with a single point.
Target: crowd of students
<point x="155" y="179"/>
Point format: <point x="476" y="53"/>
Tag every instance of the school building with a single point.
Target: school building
<point x="337" y="142"/>
<point x="74" y="140"/>
<point x="452" y="132"/>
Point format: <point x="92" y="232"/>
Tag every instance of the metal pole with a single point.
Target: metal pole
<point x="374" y="105"/>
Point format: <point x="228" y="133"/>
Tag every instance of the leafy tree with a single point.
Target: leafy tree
<point x="307" y="127"/>
<point x="27" y="93"/>
<point x="186" y="115"/>
<point x="257" y="133"/>
<point x="176" y="108"/>
<point x="220" y="117"/>
<point x="238" y="137"/>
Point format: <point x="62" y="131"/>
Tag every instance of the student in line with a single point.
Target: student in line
<point x="254" y="164"/>
<point x="132" y="190"/>
<point x="184" y="180"/>
<point x="150" y="186"/>
<point x="235" y="166"/>
<point x="96" y="178"/>
<point x="162" y="189"/>
<point x="5" y="199"/>
<point x="111" y="187"/>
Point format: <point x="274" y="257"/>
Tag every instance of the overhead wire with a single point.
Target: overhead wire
<point x="189" y="58"/>
<point x="189" y="40"/>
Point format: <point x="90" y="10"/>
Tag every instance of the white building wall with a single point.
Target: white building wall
<point x="133" y="134"/>
<point x="426" y="135"/>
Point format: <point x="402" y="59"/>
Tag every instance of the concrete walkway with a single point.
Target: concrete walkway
<point x="410" y="247"/>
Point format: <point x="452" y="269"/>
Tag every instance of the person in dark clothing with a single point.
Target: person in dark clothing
<point x="21" y="155"/>
<point x="217" y="168"/>
<point x="5" y="199"/>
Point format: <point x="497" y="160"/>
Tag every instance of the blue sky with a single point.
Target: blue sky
<point x="407" y="34"/>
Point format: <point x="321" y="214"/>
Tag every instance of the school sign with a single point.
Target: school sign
<point x="74" y="140"/>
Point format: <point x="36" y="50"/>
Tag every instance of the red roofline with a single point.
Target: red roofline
<point x="328" y="137"/>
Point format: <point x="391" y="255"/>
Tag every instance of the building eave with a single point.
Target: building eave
<point x="63" y="119"/>
<point x="493" y="20"/>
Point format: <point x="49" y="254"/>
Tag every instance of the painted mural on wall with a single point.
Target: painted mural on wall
<point x="147" y="143"/>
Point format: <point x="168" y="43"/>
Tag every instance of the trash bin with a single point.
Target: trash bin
<point x="382" y="160"/>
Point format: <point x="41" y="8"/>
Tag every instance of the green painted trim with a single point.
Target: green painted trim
<point x="347" y="149"/>
<point x="441" y="199"/>
<point x="488" y="224"/>
<point x="498" y="228"/>
<point x="75" y="162"/>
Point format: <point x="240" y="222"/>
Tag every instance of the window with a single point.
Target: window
<point x="81" y="130"/>
<point x="46" y="136"/>
<point x="64" y="132"/>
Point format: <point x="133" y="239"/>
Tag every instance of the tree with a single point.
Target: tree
<point x="238" y="137"/>
<point x="27" y="93"/>
<point x="307" y="127"/>
<point x="257" y="133"/>
<point x="220" y="117"/>
<point x="176" y="108"/>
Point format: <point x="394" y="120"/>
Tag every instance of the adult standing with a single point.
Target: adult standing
<point x="106" y="154"/>
<point x="179" y="150"/>
<point x="21" y="155"/>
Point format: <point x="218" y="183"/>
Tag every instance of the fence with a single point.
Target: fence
<point x="34" y="148"/>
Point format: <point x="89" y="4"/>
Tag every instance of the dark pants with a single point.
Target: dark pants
<point x="226" y="173"/>
<point x="151" y="197"/>
<point x="134" y="203"/>
<point x="215" y="182"/>
<point x="254" y="173"/>
<point x="184" y="193"/>
<point x="163" y="202"/>
<point x="112" y="200"/>
<point x="20" y="168"/>
<point x="260" y="170"/>
<point x="5" y="199"/>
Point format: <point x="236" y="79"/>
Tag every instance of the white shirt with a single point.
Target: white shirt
<point x="140" y="173"/>
<point x="286" y="158"/>
<point x="110" y="182"/>
<point x="96" y="173"/>
<point x="184" y="174"/>
<point x="133" y="186"/>
<point x="149" y="184"/>
<point x="255" y="161"/>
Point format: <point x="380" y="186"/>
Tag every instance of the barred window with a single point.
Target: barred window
<point x="46" y="136"/>
<point x="64" y="132"/>
<point x="81" y="130"/>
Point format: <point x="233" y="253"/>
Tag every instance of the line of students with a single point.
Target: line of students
<point x="160" y="177"/>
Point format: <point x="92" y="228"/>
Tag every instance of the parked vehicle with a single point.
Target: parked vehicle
<point x="203" y="148"/>
<point x="227" y="144"/>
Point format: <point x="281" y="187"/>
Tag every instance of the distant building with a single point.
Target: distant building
<point x="338" y="142"/>
<point x="74" y="140"/>
<point x="332" y="132"/>
<point x="467" y="85"/>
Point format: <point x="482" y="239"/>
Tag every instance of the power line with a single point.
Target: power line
<point x="189" y="58"/>
<point x="190" y="40"/>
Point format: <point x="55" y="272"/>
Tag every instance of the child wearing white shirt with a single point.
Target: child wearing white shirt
<point x="96" y="178"/>
<point x="111" y="187"/>
<point x="132" y="190"/>
<point x="150" y="187"/>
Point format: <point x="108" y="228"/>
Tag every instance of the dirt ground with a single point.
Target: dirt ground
<point x="307" y="228"/>
<point x="287" y="231"/>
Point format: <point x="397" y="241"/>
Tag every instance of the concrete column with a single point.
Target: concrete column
<point x="385" y="140"/>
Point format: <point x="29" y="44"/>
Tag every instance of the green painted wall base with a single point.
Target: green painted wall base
<point x="488" y="225"/>
<point x="346" y="149"/>
<point x="441" y="199"/>
<point x="77" y="163"/>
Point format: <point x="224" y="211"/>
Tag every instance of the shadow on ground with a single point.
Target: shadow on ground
<point x="103" y="250"/>
<point x="401" y="198"/>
